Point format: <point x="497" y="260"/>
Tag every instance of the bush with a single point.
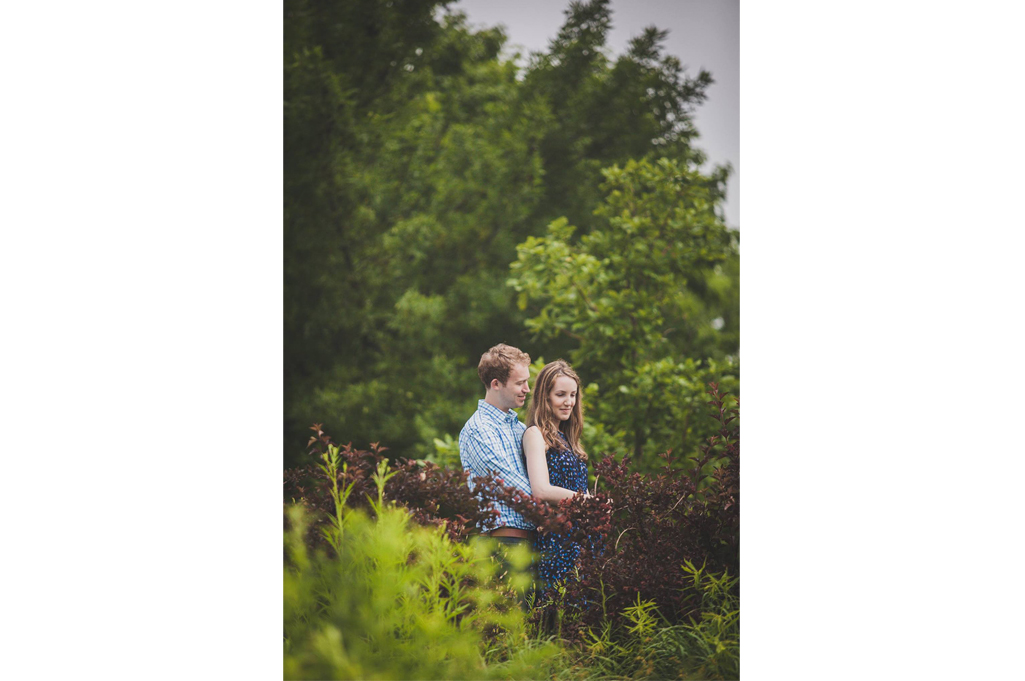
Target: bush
<point x="398" y="601"/>
<point x="435" y="496"/>
<point x="707" y="647"/>
<point x="637" y="605"/>
<point x="638" y="532"/>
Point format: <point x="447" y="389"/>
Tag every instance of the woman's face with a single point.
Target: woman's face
<point x="563" y="397"/>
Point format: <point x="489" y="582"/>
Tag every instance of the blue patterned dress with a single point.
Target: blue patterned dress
<point x="558" y="553"/>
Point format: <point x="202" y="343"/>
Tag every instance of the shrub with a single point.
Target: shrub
<point x="649" y="646"/>
<point x="637" y="605"/>
<point x="434" y="496"/>
<point x="639" y="531"/>
<point x="394" y="600"/>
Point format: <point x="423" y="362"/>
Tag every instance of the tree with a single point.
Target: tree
<point x="416" y="159"/>
<point x="402" y="211"/>
<point x="638" y="297"/>
<point x="607" y="112"/>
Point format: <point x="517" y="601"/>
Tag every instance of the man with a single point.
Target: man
<point x="491" y="440"/>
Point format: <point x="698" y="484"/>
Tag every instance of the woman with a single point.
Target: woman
<point x="556" y="462"/>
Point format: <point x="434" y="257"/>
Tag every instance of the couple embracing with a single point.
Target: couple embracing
<point x="543" y="458"/>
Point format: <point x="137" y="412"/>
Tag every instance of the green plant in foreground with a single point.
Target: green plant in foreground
<point x="400" y="601"/>
<point x="712" y="644"/>
<point x="333" y="533"/>
<point x="647" y="646"/>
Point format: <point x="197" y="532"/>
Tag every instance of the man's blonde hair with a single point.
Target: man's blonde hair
<point x="498" y="362"/>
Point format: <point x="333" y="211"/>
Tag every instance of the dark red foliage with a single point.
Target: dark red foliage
<point x="636" y="532"/>
<point x="434" y="496"/>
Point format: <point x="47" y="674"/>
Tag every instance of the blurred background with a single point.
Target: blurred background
<point x="463" y="174"/>
<point x="702" y="34"/>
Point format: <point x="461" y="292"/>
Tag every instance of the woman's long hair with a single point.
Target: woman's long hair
<point x="540" y="413"/>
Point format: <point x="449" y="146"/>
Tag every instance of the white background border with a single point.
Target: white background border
<point x="141" y="269"/>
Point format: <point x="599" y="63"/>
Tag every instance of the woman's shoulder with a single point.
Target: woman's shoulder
<point x="533" y="433"/>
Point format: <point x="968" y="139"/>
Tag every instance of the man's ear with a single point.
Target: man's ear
<point x="495" y="384"/>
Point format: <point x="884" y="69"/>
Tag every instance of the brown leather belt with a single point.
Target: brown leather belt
<point x="511" y="532"/>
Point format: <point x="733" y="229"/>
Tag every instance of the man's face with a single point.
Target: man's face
<point x="513" y="394"/>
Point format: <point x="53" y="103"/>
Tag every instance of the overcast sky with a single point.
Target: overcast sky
<point x="703" y="34"/>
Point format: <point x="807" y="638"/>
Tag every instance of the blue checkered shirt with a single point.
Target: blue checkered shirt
<point x="492" y="442"/>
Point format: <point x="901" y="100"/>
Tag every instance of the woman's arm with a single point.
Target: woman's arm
<point x="537" y="469"/>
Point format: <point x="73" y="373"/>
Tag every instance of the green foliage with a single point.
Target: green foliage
<point x="604" y="111"/>
<point x="640" y="299"/>
<point x="418" y="164"/>
<point x="396" y="220"/>
<point x="446" y="452"/>
<point x="711" y="645"/>
<point x="400" y="601"/>
<point x="397" y="599"/>
<point x="649" y="647"/>
<point x="415" y="162"/>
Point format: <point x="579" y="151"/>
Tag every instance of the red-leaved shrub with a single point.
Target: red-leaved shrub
<point x="433" y="495"/>
<point x="637" y="531"/>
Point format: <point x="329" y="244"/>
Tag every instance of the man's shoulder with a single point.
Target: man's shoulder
<point x="473" y="426"/>
<point x="478" y="427"/>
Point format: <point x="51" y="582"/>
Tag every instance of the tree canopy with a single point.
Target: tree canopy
<point x="421" y="163"/>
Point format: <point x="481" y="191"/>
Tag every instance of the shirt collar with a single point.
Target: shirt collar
<point x="496" y="413"/>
